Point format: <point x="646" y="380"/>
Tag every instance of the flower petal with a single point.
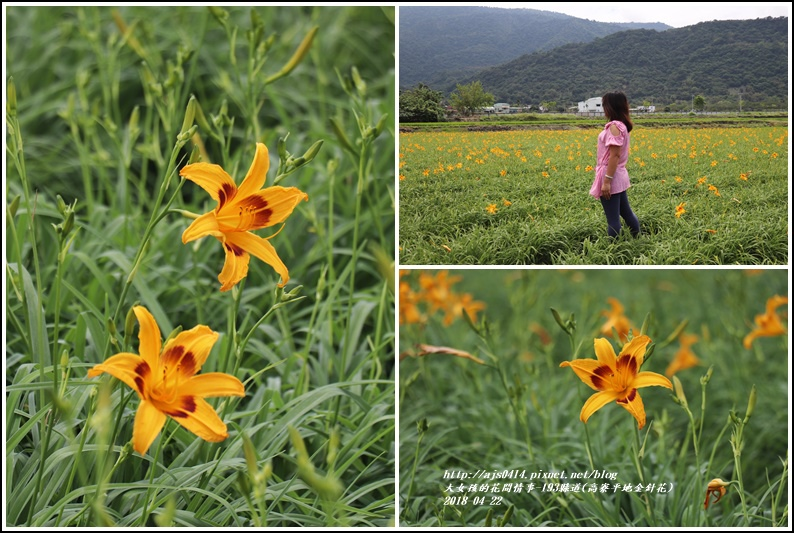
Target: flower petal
<point x="187" y="352"/>
<point x="206" y="224"/>
<point x="636" y="349"/>
<point x="255" y="178"/>
<point x="596" y="402"/>
<point x="148" y="422"/>
<point x="198" y="417"/>
<point x="650" y="379"/>
<point x="596" y="375"/>
<point x="260" y="210"/>
<point x="633" y="404"/>
<point x="235" y="266"/>
<point x="148" y="337"/>
<point x="213" y="179"/>
<point x="127" y="367"/>
<point x="261" y="249"/>
<point x="749" y="338"/>
<point x="214" y="384"/>
<point x="604" y="352"/>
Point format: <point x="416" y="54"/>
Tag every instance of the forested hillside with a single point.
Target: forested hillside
<point x="721" y="60"/>
<point x="439" y="45"/>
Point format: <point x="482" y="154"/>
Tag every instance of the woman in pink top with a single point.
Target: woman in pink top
<point x="612" y="178"/>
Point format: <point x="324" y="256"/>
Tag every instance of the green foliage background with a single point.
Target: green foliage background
<point x="101" y="95"/>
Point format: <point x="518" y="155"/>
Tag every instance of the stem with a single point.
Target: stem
<point x="641" y="470"/>
<point x="588" y="448"/>
<point x="354" y="259"/>
<point x="737" y="458"/>
<point x="416" y="464"/>
<point x="152" y="469"/>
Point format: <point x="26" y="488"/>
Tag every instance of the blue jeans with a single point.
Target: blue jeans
<point x="616" y="207"/>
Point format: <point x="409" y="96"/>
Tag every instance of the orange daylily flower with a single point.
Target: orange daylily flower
<point x="679" y="210"/>
<point x="241" y="210"/>
<point x="684" y="357"/>
<point x="716" y="487"/>
<point x="460" y="303"/>
<point x="617" y="378"/>
<point x="616" y="319"/>
<point x="437" y="290"/>
<point x="409" y="300"/>
<point x="768" y="324"/>
<point x="166" y="382"/>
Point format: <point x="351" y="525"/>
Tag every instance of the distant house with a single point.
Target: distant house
<point x="591" y="105"/>
<point x="501" y="108"/>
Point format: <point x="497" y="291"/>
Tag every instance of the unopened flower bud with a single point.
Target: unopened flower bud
<point x="313" y="150"/>
<point x="11" y="98"/>
<point x="751" y="404"/>
<point x="679" y="391"/>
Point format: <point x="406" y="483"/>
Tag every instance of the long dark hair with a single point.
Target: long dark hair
<point x="616" y="107"/>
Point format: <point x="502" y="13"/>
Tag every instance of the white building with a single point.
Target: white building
<point x="501" y="108"/>
<point x="591" y="105"/>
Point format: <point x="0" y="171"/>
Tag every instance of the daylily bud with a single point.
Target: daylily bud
<point x="13" y="206"/>
<point x="361" y="85"/>
<point x="186" y="135"/>
<point x="645" y="324"/>
<point x="267" y="470"/>
<point x="297" y="442"/>
<point x="130" y="321"/>
<point x="281" y="148"/>
<point x="190" y="113"/>
<point x="68" y="223"/>
<point x="11" y="98"/>
<point x="296" y="58"/>
<point x="679" y="391"/>
<point x="489" y="517"/>
<point x="313" y="150"/>
<point x="342" y="137"/>
<point x="381" y="124"/>
<point x="133" y="124"/>
<point x="422" y="425"/>
<point x="558" y="319"/>
<point x="173" y="334"/>
<point x="333" y="446"/>
<point x="61" y="204"/>
<point x="250" y="455"/>
<point x="201" y="119"/>
<point x="221" y="15"/>
<point x="751" y="404"/>
<point x="707" y="377"/>
<point x="195" y="155"/>
<point x="507" y="516"/>
<point x="287" y="296"/>
<point x="112" y="330"/>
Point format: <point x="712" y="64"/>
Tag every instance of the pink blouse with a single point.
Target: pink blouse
<point x="620" y="181"/>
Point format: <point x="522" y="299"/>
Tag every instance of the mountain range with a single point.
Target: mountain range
<point x="440" y="44"/>
<point x="721" y="60"/>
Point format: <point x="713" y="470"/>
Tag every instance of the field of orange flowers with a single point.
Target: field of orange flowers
<point x="595" y="398"/>
<point x="703" y="196"/>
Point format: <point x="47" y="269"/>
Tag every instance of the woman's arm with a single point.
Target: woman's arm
<point x="612" y="166"/>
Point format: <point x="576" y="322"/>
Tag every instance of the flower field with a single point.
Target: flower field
<point x="713" y="196"/>
<point x="594" y="398"/>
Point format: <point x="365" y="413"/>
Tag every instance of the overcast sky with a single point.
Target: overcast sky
<point x="676" y="14"/>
